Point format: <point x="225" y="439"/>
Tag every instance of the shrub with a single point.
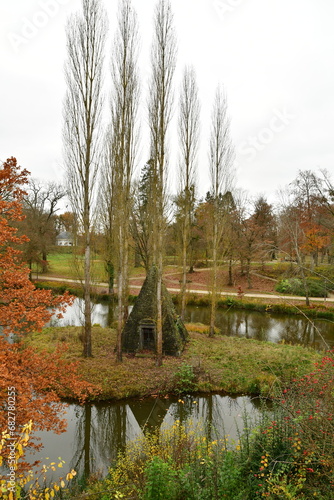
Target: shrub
<point x="277" y="270"/>
<point x="326" y="273"/>
<point x="184" y="379"/>
<point x="160" y="480"/>
<point x="294" y="286"/>
<point x="297" y="446"/>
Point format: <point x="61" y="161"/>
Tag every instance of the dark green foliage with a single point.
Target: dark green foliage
<point x="185" y="379"/>
<point x="58" y="288"/>
<point x="196" y="300"/>
<point x="64" y="250"/>
<point x="326" y="273"/>
<point x="160" y="481"/>
<point x="174" y="333"/>
<point x="197" y="482"/>
<point x="294" y="286"/>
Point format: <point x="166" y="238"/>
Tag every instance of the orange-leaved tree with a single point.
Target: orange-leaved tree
<point x="22" y="307"/>
<point x="30" y="382"/>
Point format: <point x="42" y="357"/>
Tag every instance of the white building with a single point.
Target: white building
<point x="64" y="239"/>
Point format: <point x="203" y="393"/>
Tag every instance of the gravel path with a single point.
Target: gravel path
<point x="201" y="292"/>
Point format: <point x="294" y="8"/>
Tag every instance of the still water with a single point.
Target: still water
<point x="96" y="433"/>
<point x="237" y="323"/>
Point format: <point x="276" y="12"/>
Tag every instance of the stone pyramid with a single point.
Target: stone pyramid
<point x="139" y="333"/>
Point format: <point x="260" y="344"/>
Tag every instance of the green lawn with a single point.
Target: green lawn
<point x="221" y="363"/>
<point x="67" y="265"/>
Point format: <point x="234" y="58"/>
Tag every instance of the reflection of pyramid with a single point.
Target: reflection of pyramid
<point x="140" y="329"/>
<point x="150" y="413"/>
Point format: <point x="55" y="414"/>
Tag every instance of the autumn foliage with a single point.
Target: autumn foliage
<point x="37" y="378"/>
<point x="22" y="307"/>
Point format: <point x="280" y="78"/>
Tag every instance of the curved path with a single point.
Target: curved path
<point x="200" y="292"/>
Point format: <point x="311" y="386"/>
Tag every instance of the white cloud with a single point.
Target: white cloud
<point x="269" y="55"/>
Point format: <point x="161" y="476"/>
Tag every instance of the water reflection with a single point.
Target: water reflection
<point x="96" y="433"/>
<point x="236" y="323"/>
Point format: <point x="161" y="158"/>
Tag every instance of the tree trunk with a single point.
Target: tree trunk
<point x="301" y="267"/>
<point x="44" y="262"/>
<point x="137" y="258"/>
<point x="87" y="351"/>
<point x="159" y="303"/>
<point x="214" y="281"/>
<point x="249" y="278"/>
<point x="126" y="277"/>
<point x="120" y="292"/>
<point x="111" y="277"/>
<point x="184" y="267"/>
<point x="230" y="274"/>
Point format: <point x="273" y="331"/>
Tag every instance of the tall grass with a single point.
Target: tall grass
<point x="287" y="454"/>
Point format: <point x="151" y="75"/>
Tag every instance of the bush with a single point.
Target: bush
<point x="326" y="273"/>
<point x="160" y="480"/>
<point x="184" y="379"/>
<point x="64" y="250"/>
<point x="288" y="454"/>
<point x="294" y="286"/>
<point x="277" y="270"/>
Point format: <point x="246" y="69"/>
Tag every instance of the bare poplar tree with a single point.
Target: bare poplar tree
<point x="123" y="141"/>
<point x="86" y="33"/>
<point x="160" y="108"/>
<point x="221" y="158"/>
<point x="189" y="117"/>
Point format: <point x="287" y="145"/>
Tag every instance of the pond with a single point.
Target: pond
<point x="96" y="433"/>
<point x="237" y="323"/>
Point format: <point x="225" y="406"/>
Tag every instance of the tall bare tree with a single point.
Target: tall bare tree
<point x="221" y="156"/>
<point x="86" y="33"/>
<point x="189" y="119"/>
<point x="123" y="141"/>
<point x="160" y="108"/>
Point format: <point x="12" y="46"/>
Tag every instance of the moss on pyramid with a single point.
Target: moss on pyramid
<point x="140" y="329"/>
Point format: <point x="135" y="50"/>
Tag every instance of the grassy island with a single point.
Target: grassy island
<point x="224" y="364"/>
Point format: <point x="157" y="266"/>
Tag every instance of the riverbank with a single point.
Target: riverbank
<point x="261" y="303"/>
<point x="220" y="364"/>
<point x="286" y="453"/>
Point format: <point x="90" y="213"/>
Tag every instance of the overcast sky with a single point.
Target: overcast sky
<point x="274" y="57"/>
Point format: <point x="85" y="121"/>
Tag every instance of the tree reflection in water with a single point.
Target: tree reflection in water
<point x="231" y="322"/>
<point x="97" y="433"/>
